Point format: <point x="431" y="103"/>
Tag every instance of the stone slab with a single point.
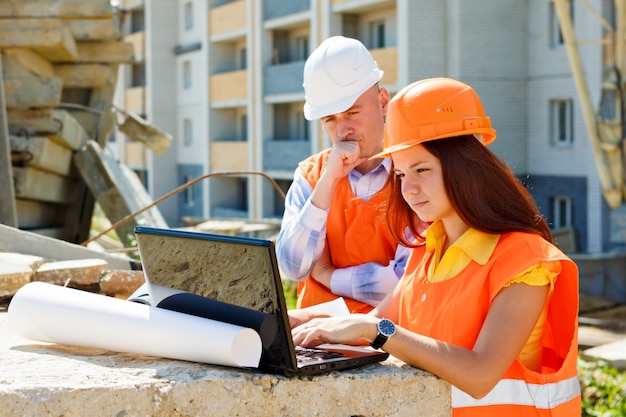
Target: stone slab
<point x="39" y="379"/>
<point x="13" y="277"/>
<point x="25" y="242"/>
<point x="79" y="271"/>
<point x="614" y="353"/>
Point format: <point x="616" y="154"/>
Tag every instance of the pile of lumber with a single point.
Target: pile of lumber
<point x="60" y="61"/>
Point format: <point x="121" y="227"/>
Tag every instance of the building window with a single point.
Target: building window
<point x="187" y="132"/>
<point x="137" y="22"/>
<point x="243" y="58"/>
<point x="243" y="127"/>
<point x="187" y="75"/>
<point x="188" y="15"/>
<point x="377" y="33"/>
<point x="188" y="193"/>
<point x="302" y="48"/>
<point x="138" y="74"/>
<point x="562" y="212"/>
<point x="302" y="127"/>
<point x="556" y="36"/>
<point x="562" y="123"/>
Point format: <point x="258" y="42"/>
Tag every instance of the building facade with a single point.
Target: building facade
<point x="225" y="79"/>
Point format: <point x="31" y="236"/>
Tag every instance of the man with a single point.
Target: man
<point x="333" y="238"/>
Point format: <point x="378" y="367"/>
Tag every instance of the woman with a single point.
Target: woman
<point x="492" y="305"/>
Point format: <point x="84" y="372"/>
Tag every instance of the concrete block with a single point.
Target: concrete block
<point x="614" y="353"/>
<point x="82" y="271"/>
<point x="121" y="282"/>
<point x="57" y="380"/>
<point x="13" y="277"/>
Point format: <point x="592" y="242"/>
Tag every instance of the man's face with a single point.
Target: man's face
<point x="363" y="122"/>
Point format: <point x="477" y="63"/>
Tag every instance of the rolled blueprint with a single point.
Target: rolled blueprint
<point x="185" y="302"/>
<point x="51" y="313"/>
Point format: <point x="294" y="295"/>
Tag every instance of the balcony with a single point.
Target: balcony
<point x="135" y="154"/>
<point x="138" y="41"/>
<point x="135" y="100"/>
<point x="284" y="155"/>
<point x="342" y="6"/>
<point x="129" y="4"/>
<point x="229" y="87"/>
<point x="229" y="156"/>
<point x="228" y="19"/>
<point x="387" y="59"/>
<point x="284" y="79"/>
<point x="273" y="9"/>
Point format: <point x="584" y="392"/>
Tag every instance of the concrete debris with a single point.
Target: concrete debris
<point x="17" y="270"/>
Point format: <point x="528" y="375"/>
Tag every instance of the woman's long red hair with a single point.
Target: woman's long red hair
<point x="482" y="189"/>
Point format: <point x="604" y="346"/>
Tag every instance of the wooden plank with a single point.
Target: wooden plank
<point x="94" y="29"/>
<point x="28" y="243"/>
<point x="47" y="36"/>
<point x="35" y="92"/>
<point x="58" y="125"/>
<point x="18" y="59"/>
<point x="8" y="211"/>
<point x="33" y="214"/>
<point x="34" y="184"/>
<point x="106" y="52"/>
<point x="32" y="121"/>
<point x="81" y="212"/>
<point x="54" y="8"/>
<point x="26" y="88"/>
<point x="117" y="192"/>
<point x="85" y="75"/>
<point x="42" y="153"/>
<point x="98" y="120"/>
<point x="71" y="134"/>
<point x="52" y="232"/>
<point x="138" y="129"/>
<point x="102" y="99"/>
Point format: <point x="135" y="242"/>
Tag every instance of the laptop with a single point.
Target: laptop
<point x="241" y="271"/>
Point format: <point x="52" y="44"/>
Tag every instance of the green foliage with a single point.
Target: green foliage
<point x="290" y="289"/>
<point x="603" y="389"/>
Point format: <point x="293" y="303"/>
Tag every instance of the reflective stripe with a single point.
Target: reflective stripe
<point x="519" y="392"/>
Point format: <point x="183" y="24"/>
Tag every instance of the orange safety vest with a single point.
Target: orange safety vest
<point x="356" y="233"/>
<point x="441" y="311"/>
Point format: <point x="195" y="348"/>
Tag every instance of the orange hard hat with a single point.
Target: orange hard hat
<point x="434" y="108"/>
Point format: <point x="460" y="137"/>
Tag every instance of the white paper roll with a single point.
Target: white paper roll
<point x="51" y="313"/>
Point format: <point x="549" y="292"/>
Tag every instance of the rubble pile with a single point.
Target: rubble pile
<point x="90" y="274"/>
<point x="60" y="62"/>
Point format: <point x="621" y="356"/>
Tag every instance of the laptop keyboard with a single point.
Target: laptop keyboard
<point x="308" y="354"/>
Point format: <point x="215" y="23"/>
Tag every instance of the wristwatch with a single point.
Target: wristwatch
<point x="386" y="329"/>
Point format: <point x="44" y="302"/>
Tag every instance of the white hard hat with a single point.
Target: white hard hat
<point x="335" y="75"/>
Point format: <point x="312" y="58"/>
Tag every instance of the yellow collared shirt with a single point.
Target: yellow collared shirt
<point x="479" y="246"/>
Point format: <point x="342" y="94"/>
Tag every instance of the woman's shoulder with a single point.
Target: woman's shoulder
<point x="528" y="245"/>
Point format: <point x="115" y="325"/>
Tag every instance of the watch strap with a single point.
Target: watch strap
<point x="379" y="341"/>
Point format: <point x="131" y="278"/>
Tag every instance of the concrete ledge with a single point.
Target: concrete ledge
<point x="38" y="379"/>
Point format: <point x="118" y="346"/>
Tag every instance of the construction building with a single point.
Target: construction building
<point x="224" y="77"/>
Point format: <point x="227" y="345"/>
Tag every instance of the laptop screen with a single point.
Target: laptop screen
<point x="237" y="270"/>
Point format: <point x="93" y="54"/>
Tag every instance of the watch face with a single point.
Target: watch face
<point x="387" y="327"/>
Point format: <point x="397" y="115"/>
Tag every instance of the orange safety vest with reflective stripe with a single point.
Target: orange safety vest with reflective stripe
<point x="454" y="311"/>
<point x="356" y="233"/>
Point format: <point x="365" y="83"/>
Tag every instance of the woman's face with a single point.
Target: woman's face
<point x="422" y="184"/>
